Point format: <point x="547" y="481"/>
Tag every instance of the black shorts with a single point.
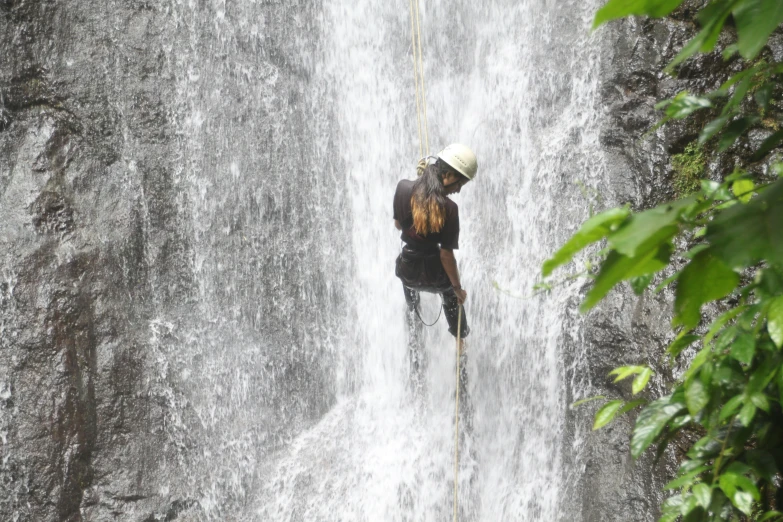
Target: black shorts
<point x="423" y="272"/>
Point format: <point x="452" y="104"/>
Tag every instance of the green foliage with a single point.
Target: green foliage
<point x="688" y="170"/>
<point x="731" y="392"/>
<point x="594" y="229"/>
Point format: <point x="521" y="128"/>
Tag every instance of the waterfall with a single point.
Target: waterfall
<point x="277" y="371"/>
<point x="297" y="123"/>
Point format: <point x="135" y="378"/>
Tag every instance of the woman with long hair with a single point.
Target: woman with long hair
<point x="429" y="222"/>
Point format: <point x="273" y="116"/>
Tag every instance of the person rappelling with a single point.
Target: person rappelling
<point x="429" y="222"/>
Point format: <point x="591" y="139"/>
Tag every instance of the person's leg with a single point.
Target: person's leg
<point x="412" y="298"/>
<point x="415" y="350"/>
<point x="451" y="309"/>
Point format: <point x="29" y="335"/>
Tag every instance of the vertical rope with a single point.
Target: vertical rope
<point x="416" y="80"/>
<point x="423" y="129"/>
<point x="421" y="73"/>
<point x="456" y="415"/>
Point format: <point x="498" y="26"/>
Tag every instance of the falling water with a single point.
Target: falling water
<point x="286" y="372"/>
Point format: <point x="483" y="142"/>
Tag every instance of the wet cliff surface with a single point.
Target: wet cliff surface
<point x="88" y="228"/>
<point x="100" y="286"/>
<point x="626" y="329"/>
<point x="178" y="259"/>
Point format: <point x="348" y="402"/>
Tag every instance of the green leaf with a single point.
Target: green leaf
<point x="672" y="505"/>
<point x="669" y="517"/>
<point x="592" y="230"/>
<point x="767" y="145"/>
<point x="666" y="282"/>
<point x="730" y="51"/>
<point x="736" y="129"/>
<point x="740" y="489"/>
<point x="688" y="505"/>
<point x="623" y="372"/>
<point x="689" y="465"/>
<point x="607" y="412"/>
<point x="684" y="104"/>
<point x="744" y="347"/>
<point x="680" y="421"/>
<point x="731" y="406"/>
<point x="696" y="396"/>
<point x="711" y="18"/>
<point x="715" y="190"/>
<point x="690" y="254"/>
<point x="763" y="95"/>
<point x="712" y="128"/>
<point x="742" y="501"/>
<point x="621" y="8"/>
<point x="736" y="174"/>
<point x="775" y="321"/>
<point x="747" y="413"/>
<point x="738" y="96"/>
<point x="651" y="422"/>
<point x="762" y="375"/>
<point x="650" y="228"/>
<point x="586" y="400"/>
<point x="743" y="189"/>
<point x="697" y="362"/>
<point x="640" y="284"/>
<point x="703" y="494"/>
<point x="689" y="49"/>
<point x="771" y="515"/>
<point x="745" y="234"/>
<point x="726" y="337"/>
<point x="736" y="78"/>
<point x="770" y="282"/>
<point x="763" y="464"/>
<point x="629" y="406"/>
<point x="641" y="380"/>
<point x="760" y="401"/>
<point x="705" y="448"/>
<point x="721" y="321"/>
<point x="681" y="343"/>
<point x="686" y="478"/>
<point x="618" y="267"/>
<point x="756" y="19"/>
<point x="705" y="279"/>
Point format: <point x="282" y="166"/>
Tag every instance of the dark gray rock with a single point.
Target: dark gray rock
<point x="97" y="245"/>
<point x="625" y="329"/>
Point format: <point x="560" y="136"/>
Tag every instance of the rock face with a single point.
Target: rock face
<point x="85" y="233"/>
<point x="97" y="254"/>
<point x="625" y="329"/>
<point x="108" y="274"/>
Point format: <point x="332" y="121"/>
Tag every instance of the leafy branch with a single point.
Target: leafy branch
<point x="727" y="240"/>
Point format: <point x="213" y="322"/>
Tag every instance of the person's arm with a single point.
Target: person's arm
<point x="397" y="224"/>
<point x="450" y="265"/>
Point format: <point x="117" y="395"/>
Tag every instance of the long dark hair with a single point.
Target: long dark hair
<point x="428" y="201"/>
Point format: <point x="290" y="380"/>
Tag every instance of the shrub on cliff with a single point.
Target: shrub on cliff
<point x="727" y="240"/>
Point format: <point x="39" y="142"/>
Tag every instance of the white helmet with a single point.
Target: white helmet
<point x="460" y="158"/>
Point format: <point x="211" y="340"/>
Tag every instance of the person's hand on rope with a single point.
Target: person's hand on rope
<point x="462" y="295"/>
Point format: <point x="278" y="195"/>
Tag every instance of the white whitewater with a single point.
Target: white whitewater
<point x="517" y="80"/>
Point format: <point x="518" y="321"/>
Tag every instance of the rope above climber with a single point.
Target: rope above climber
<point x="429" y="222"/>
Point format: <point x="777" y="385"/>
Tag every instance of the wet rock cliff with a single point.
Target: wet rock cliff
<point x="109" y="267"/>
<point x="97" y="256"/>
<point x="626" y="329"/>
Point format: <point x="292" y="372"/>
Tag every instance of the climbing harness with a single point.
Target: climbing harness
<point x="418" y="314"/>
